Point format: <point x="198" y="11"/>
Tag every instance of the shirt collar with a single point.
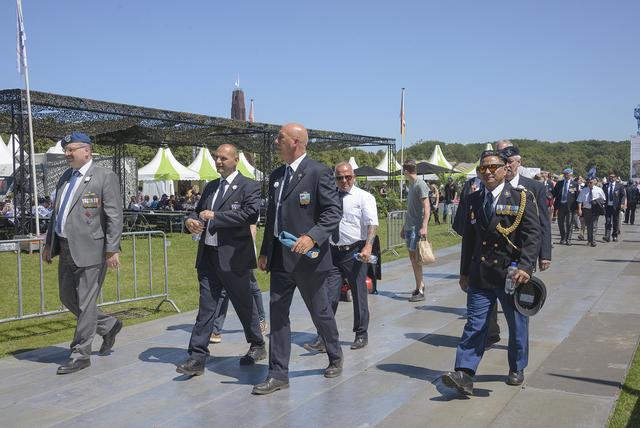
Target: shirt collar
<point x="495" y="192"/>
<point x="296" y="163"/>
<point x="231" y="177"/>
<point x="515" y="181"/>
<point x="84" y="168"/>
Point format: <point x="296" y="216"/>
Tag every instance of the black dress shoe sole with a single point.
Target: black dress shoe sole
<point x="68" y="370"/>
<point x="514" y="382"/>
<point x="333" y="373"/>
<point x="311" y="348"/>
<point x="269" y="391"/>
<point x="249" y="361"/>
<point x="448" y="381"/>
<point x="358" y="345"/>
<point x="190" y="372"/>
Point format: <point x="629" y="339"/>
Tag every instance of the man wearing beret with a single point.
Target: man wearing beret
<point x="501" y="228"/>
<point x="86" y="225"/>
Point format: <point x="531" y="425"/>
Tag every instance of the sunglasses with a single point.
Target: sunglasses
<point x="343" y="177"/>
<point x="482" y="169"/>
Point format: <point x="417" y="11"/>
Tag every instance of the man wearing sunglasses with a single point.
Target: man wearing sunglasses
<point x="498" y="231"/>
<point x="354" y="236"/>
<point x="615" y="202"/>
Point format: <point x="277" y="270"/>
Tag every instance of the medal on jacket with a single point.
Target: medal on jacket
<point x="90" y="200"/>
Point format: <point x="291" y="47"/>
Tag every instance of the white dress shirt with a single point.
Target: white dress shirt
<point x="596" y="193"/>
<point x="83" y="170"/>
<point x="515" y="181"/>
<point x="496" y="194"/>
<point x="210" y="239"/>
<point x="359" y="211"/>
<point x="294" y="166"/>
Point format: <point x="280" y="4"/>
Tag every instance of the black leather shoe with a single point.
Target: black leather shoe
<point x="73" y="366"/>
<point x="359" y="343"/>
<point x="255" y="353"/>
<point x="563" y="242"/>
<point x="270" y="385"/>
<point x="606" y="239"/>
<point x="568" y="243"/>
<point x="459" y="380"/>
<point x="615" y="239"/>
<point x="317" y="346"/>
<point x="593" y="244"/>
<point x="334" y="369"/>
<point x="515" y="378"/>
<point x="191" y="367"/>
<point x="490" y="342"/>
<point x="110" y="338"/>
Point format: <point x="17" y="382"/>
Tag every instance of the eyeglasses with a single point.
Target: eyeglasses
<point x="72" y="149"/>
<point x="482" y="169"/>
<point x="344" y="177"/>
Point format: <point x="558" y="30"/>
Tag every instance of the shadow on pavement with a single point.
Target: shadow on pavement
<point x="49" y="355"/>
<point x="435" y="339"/>
<point x="444" y="309"/>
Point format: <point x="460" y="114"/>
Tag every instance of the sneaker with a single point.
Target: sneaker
<point x="581" y="237"/>
<point x="215" y="338"/>
<point x="264" y="327"/>
<point x="417" y="296"/>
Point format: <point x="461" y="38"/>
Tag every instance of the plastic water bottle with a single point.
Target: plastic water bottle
<point x="196" y="236"/>
<point x="509" y="285"/>
<point x="372" y="259"/>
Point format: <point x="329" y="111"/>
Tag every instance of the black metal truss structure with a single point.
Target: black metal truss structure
<point x="119" y="125"/>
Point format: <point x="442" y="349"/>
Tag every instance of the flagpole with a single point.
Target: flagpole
<point x="402" y="132"/>
<point x="23" y="52"/>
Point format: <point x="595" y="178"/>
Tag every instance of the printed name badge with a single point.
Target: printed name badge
<point x="305" y="198"/>
<point x="90" y="200"/>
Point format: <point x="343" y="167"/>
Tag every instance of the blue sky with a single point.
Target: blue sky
<point x="473" y="71"/>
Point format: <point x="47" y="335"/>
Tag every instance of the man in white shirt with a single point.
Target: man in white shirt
<point x="353" y="237"/>
<point x="586" y="200"/>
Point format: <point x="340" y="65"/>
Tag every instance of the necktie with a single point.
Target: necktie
<point x="335" y="235"/>
<point x="488" y="206"/>
<point x="288" y="172"/>
<point x="565" y="192"/>
<point x="221" y="188"/>
<point x="590" y="196"/>
<point x="65" y="200"/>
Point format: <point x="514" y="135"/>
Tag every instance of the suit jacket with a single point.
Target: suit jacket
<point x="618" y="194"/>
<point x="486" y="254"/>
<point x="574" y="189"/>
<point x="539" y="191"/>
<point x="94" y="222"/>
<point x="633" y="194"/>
<point x="317" y="219"/>
<point x="240" y="208"/>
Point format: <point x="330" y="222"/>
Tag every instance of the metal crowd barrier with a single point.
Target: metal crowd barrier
<point x="395" y="222"/>
<point x="452" y="208"/>
<point x="30" y="244"/>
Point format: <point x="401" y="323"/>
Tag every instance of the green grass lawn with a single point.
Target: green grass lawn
<point x="627" y="411"/>
<point x="17" y="336"/>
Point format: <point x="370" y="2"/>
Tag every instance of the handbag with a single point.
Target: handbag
<point x="425" y="253"/>
<point x="597" y="207"/>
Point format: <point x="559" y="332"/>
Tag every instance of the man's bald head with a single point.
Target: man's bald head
<point x="297" y="131"/>
<point x="502" y="144"/>
<point x="292" y="141"/>
<point x="230" y="149"/>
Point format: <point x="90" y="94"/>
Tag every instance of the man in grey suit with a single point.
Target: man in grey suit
<point x="86" y="225"/>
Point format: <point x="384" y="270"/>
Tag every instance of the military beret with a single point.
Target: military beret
<point x="510" y="151"/>
<point x="567" y="171"/>
<point x="76" y="137"/>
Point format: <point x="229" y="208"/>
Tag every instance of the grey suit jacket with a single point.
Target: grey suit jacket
<point x="94" y="222"/>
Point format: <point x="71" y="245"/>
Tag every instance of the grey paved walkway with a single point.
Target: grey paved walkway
<point x="581" y="344"/>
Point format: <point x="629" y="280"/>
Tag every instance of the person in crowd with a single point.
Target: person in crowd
<point x="633" y="195"/>
<point x="486" y="254"/>
<point x="565" y="193"/>
<point x="548" y="184"/>
<point x="450" y="194"/>
<point x="383" y="190"/>
<point x="353" y="238"/>
<point x="588" y="197"/>
<point x="615" y="202"/>
<point x="416" y="222"/>
<point x="133" y="204"/>
<point x="86" y="226"/>
<point x="154" y="203"/>
<point x="163" y="202"/>
<point x="8" y="207"/>
<point x="145" y="203"/>
<point x="434" y="201"/>
<point x="470" y="186"/>
<point x="226" y="255"/>
<point x="304" y="202"/>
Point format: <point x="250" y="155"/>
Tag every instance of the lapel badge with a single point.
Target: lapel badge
<point x="234" y="187"/>
<point x="473" y="215"/>
<point x="87" y="178"/>
<point x="507" y="194"/>
<point x="235" y="205"/>
<point x="305" y="198"/>
<point x="299" y="176"/>
<point x="276" y="184"/>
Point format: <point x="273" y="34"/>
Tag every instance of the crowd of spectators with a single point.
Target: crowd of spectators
<point x="186" y="202"/>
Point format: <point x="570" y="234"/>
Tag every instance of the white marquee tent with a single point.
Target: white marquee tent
<point x="248" y="170"/>
<point x="437" y="158"/>
<point x="158" y="175"/>
<point x="204" y="165"/>
<point x="57" y="149"/>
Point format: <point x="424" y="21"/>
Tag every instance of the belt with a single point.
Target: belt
<point x="350" y="247"/>
<point x="210" y="247"/>
<point x="60" y="238"/>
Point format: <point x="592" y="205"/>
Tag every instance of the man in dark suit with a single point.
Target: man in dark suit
<point x="86" y="225"/>
<point x="500" y="229"/>
<point x="227" y="209"/>
<point x="633" y="195"/>
<point x="615" y="193"/>
<point x="303" y="200"/>
<point x="565" y="193"/>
